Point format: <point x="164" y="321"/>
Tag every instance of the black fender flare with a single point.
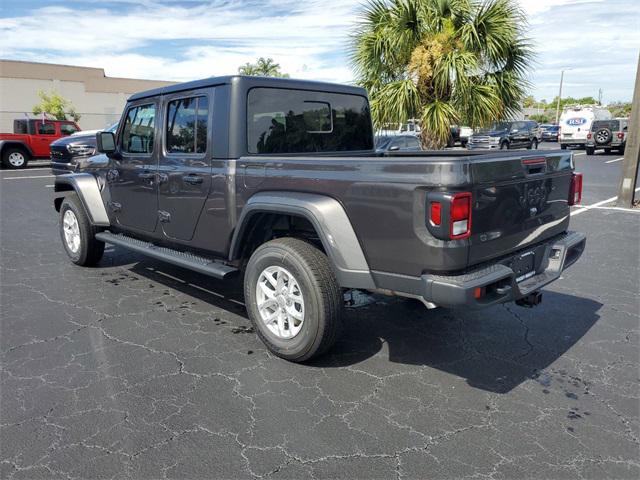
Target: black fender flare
<point x="86" y="186"/>
<point x="15" y="143"/>
<point x="329" y="219"/>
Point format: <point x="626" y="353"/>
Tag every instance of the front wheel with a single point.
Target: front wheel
<point x="293" y="298"/>
<point x="504" y="146"/>
<point x="533" y="145"/>
<point x="77" y="233"/>
<point x="14" y="157"/>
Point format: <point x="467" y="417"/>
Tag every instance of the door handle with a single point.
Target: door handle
<point x="193" y="179"/>
<point x="147" y="175"/>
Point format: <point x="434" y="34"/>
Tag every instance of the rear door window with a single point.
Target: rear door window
<point x="186" y="128"/>
<point x="301" y="121"/>
<point x="138" y="131"/>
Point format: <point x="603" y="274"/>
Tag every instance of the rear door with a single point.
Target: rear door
<point x="184" y="169"/>
<point x="518" y="201"/>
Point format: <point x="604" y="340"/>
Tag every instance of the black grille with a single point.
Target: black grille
<point x="59" y="153"/>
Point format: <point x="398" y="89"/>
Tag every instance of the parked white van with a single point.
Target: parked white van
<point x="575" y="123"/>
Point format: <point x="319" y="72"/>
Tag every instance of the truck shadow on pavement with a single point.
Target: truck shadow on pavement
<point x="495" y="349"/>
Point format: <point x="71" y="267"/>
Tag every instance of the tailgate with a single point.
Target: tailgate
<point x="519" y="200"/>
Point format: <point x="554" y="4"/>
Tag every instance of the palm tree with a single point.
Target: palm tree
<point x="442" y="61"/>
<point x="264" y="67"/>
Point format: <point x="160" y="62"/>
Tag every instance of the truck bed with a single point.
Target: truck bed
<point x="520" y="198"/>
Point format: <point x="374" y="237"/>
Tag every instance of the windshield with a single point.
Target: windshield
<point x="382" y="142"/>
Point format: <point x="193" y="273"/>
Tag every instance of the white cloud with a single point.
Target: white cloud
<point x="161" y="39"/>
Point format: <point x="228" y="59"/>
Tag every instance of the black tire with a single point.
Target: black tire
<point x="323" y="299"/>
<point x="504" y="146"/>
<point x="621" y="149"/>
<point x="533" y="145"/>
<point x="11" y="154"/>
<point x="563" y="147"/>
<point x="590" y="150"/>
<point x="607" y="151"/>
<point x="90" y="250"/>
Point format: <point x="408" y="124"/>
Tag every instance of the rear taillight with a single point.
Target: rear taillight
<point x="449" y="215"/>
<point x="460" y="216"/>
<point x="436" y="213"/>
<point x="620" y="135"/>
<point x="588" y="136"/>
<point x="575" y="189"/>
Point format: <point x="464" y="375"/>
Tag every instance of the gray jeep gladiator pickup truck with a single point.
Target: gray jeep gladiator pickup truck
<point x="277" y="180"/>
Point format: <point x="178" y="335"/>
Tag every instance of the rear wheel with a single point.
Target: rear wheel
<point x="293" y="298"/>
<point x="607" y="151"/>
<point x="504" y="146"/>
<point x="15" y="157"/>
<point x="77" y="233"/>
<point x="563" y="147"/>
<point x="590" y="150"/>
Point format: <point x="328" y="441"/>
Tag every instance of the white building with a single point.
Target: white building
<point x="97" y="98"/>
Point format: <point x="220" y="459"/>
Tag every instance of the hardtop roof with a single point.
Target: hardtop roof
<point x="247" y="82"/>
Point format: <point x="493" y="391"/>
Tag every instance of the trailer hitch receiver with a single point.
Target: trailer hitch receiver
<point x="530" y="300"/>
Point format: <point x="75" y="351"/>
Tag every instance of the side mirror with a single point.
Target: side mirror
<point x="395" y="148"/>
<point x="106" y="142"/>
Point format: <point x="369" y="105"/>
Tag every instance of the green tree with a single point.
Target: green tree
<point x="620" y="109"/>
<point x="55" y="105"/>
<point x="540" y="118"/>
<point x="264" y="67"/>
<point x="442" y="61"/>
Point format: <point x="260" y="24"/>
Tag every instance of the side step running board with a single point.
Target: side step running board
<point x="175" y="257"/>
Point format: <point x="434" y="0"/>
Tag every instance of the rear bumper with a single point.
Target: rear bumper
<point x="496" y="282"/>
<point x="612" y="144"/>
<point x="572" y="141"/>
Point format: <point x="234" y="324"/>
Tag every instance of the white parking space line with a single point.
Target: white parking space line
<point x="34" y="169"/>
<point x="25" y="178"/>
<point x="600" y="204"/>
<point x="614" y="160"/>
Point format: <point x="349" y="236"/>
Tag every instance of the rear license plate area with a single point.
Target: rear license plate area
<point x="524" y="266"/>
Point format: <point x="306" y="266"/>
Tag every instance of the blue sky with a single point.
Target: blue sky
<point x="596" y="41"/>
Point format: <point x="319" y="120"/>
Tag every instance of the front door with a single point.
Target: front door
<point x="132" y="176"/>
<point x="184" y="169"/>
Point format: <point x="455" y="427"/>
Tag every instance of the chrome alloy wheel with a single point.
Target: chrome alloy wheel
<point x="280" y="302"/>
<point x="71" y="231"/>
<point x="16" y="159"/>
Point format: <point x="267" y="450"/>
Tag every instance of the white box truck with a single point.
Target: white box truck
<point x="575" y="123"/>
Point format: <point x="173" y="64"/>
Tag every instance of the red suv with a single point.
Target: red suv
<point x="30" y="139"/>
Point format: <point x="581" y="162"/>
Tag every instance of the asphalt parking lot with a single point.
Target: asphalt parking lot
<point x="139" y="369"/>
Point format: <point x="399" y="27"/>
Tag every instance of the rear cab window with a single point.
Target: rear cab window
<point x="301" y="121"/>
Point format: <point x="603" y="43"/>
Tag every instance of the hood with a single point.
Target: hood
<point x="79" y="139"/>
